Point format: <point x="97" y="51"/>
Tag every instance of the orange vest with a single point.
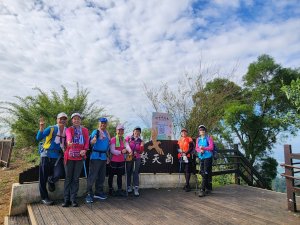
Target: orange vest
<point x="184" y="144"/>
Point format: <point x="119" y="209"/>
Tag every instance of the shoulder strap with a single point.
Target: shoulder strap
<point x="49" y="138"/>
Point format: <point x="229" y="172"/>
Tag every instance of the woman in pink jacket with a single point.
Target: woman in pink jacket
<point x="77" y="145"/>
<point x="118" y="148"/>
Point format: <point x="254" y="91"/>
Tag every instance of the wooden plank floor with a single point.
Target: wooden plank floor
<point x="231" y="204"/>
<point x="16" y="220"/>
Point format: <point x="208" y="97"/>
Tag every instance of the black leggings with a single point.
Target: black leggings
<point x="206" y="169"/>
<point x="117" y="168"/>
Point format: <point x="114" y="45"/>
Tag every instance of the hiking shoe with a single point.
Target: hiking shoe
<point x="111" y="191"/>
<point x="47" y="201"/>
<point x="129" y="189"/>
<point x="101" y="196"/>
<point x="136" y="191"/>
<point x="51" y="186"/>
<point x="201" y="193"/>
<point x="188" y="188"/>
<point x="66" y="204"/>
<point x="74" y="204"/>
<point x="89" y="199"/>
<point x="120" y="193"/>
<point x="207" y="192"/>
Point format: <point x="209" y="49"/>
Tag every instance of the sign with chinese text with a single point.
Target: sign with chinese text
<point x="162" y="123"/>
<point x="155" y="162"/>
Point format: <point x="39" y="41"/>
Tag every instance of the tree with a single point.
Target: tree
<point x="177" y="103"/>
<point x="292" y="93"/>
<point x="261" y="116"/>
<point x="22" y="116"/>
<point x="210" y="103"/>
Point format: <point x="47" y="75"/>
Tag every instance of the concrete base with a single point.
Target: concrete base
<point x="23" y="194"/>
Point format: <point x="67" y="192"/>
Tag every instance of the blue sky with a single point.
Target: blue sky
<point x="112" y="47"/>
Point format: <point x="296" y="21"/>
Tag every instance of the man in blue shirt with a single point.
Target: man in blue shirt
<point x="100" y="140"/>
<point x="51" y="163"/>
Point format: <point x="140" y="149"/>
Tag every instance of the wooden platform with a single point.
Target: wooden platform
<point x="232" y="204"/>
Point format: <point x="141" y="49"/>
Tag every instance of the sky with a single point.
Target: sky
<point x="113" y="47"/>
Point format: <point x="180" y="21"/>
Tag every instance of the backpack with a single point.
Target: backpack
<point x="45" y="145"/>
<point x="215" y="149"/>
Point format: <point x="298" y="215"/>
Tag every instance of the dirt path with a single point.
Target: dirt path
<point x="7" y="178"/>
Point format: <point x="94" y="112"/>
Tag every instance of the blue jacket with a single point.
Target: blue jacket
<point x="101" y="147"/>
<point x="54" y="149"/>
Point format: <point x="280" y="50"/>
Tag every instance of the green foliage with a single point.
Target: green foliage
<point x="268" y="169"/>
<point x="24" y="114"/>
<point x="210" y="104"/>
<point x="292" y="93"/>
<point x="146" y="134"/>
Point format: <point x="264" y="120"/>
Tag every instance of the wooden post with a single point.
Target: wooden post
<point x="291" y="199"/>
<point x="237" y="161"/>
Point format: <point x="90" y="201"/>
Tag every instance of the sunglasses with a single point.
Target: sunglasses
<point x="201" y="129"/>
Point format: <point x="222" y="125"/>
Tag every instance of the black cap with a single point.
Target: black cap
<point x="202" y="126"/>
<point x="137" y="128"/>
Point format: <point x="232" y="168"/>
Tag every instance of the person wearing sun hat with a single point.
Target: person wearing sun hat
<point x="204" y="148"/>
<point x="185" y="148"/>
<point x="99" y="139"/>
<point x="51" y="164"/>
<point x="118" y="148"/>
<point x="77" y="145"/>
<point x="133" y="163"/>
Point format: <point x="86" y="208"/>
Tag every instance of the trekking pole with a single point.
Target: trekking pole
<point x="84" y="167"/>
<point x="125" y="156"/>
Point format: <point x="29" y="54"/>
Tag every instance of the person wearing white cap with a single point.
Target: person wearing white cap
<point x="77" y="145"/>
<point x="51" y="164"/>
<point x="204" y="148"/>
<point x="118" y="148"/>
<point x="133" y="160"/>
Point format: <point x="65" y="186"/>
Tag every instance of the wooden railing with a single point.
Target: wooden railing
<point x="6" y="146"/>
<point x="232" y="161"/>
<point x="290" y="160"/>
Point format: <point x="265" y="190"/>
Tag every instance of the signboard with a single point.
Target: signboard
<point x="162" y="123"/>
<point x="162" y="158"/>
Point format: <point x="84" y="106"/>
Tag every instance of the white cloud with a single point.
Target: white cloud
<point x="112" y="47"/>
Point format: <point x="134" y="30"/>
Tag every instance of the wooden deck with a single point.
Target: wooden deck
<point x="231" y="204"/>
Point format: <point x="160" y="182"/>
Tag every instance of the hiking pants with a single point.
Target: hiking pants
<point x="133" y="167"/>
<point x="97" y="172"/>
<point x="48" y="172"/>
<point x="117" y="168"/>
<point x="206" y="169"/>
<point x="73" y="170"/>
<point x="187" y="172"/>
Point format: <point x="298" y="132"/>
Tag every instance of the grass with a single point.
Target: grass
<point x="20" y="160"/>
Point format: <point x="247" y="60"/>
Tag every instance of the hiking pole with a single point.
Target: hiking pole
<point x="125" y="156"/>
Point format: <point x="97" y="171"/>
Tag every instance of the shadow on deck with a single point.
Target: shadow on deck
<point x="232" y="204"/>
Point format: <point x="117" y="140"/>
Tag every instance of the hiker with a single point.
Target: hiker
<point x="186" y="147"/>
<point x="77" y="145"/>
<point x="204" y="148"/>
<point x="99" y="139"/>
<point x="118" y="148"/>
<point x="51" y="164"/>
<point x="133" y="160"/>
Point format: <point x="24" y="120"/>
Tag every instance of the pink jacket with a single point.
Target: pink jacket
<point x="76" y="147"/>
<point x="117" y="155"/>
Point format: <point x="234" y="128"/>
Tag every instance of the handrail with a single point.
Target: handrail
<point x="289" y="176"/>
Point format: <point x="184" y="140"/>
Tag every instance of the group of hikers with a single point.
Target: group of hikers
<point x="64" y="151"/>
